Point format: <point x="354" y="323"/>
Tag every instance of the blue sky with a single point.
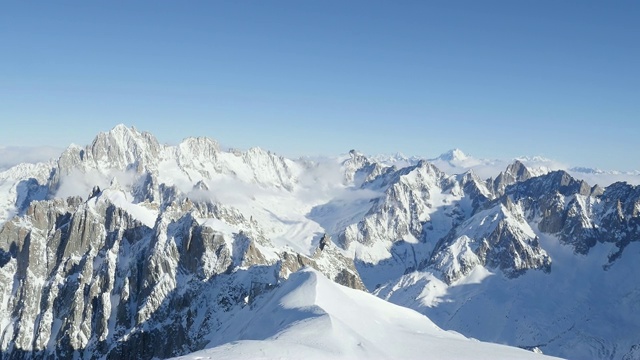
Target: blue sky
<point x="497" y="79"/>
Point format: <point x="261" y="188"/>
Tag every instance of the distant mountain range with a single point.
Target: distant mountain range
<point x="128" y="248"/>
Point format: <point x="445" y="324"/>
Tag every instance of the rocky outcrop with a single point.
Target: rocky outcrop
<point x="556" y="204"/>
<point x="498" y="238"/>
<point x="87" y="279"/>
<point x="516" y="172"/>
<point x="148" y="261"/>
<point x="404" y="209"/>
<point x="328" y="260"/>
<point x="578" y="214"/>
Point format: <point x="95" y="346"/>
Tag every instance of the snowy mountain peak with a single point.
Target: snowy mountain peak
<point x="124" y="147"/>
<point x="517" y="171"/>
<point x="310" y="317"/>
<point x="453" y="155"/>
<point x="122" y="136"/>
<point x="122" y="129"/>
<point x="197" y="149"/>
<point x="399" y="160"/>
<point x="192" y="236"/>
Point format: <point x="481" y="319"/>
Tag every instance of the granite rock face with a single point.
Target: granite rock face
<point x="514" y="173"/>
<point x="497" y="238"/>
<point x="87" y="279"/>
<point x="139" y="267"/>
<point x="554" y="204"/>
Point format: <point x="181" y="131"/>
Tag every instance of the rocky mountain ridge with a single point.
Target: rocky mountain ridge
<point x="125" y="242"/>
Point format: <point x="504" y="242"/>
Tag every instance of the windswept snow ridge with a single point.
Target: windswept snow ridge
<point x="310" y="317"/>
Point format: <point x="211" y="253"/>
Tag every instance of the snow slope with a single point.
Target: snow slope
<point x="553" y="312"/>
<point x="310" y="317"/>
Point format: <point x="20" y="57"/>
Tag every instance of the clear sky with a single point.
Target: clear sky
<point x="497" y="79"/>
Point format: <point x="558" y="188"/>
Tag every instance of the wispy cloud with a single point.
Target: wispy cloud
<point x="606" y="178"/>
<point x="13" y="155"/>
<point x="538" y="165"/>
<point x="79" y="183"/>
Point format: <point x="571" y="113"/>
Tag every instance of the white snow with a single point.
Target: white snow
<point x="295" y="202"/>
<point x="552" y="311"/>
<point x="219" y="225"/>
<point x="310" y="317"/>
<point x="457" y="162"/>
<point x="119" y="198"/>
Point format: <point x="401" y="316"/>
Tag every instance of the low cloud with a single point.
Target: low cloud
<point x="538" y="166"/>
<point x="606" y="179"/>
<point x="14" y="155"/>
<point x="231" y="191"/>
<point x="79" y="183"/>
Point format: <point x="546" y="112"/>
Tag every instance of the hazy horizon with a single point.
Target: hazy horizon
<point x="498" y="80"/>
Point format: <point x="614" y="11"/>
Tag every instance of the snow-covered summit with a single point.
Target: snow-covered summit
<point x="310" y="317"/>
<point x="398" y="160"/>
<point x="131" y="248"/>
<point x="453" y="155"/>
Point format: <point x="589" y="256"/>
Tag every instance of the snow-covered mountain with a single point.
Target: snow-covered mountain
<point x="582" y="243"/>
<point x="457" y="162"/>
<point x="310" y="317"/>
<point x="128" y="248"/>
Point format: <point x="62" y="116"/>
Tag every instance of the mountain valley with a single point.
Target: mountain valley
<point x="128" y="248"/>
